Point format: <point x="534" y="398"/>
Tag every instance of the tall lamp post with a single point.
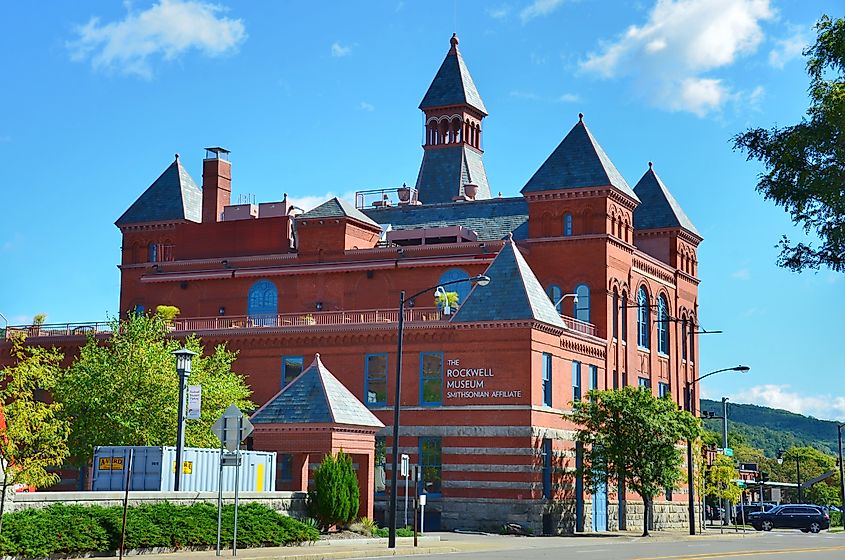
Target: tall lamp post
<point x="690" y="475"/>
<point x="841" y="472"/>
<point x="184" y="357"/>
<point x="781" y="455"/>
<point x="481" y="280"/>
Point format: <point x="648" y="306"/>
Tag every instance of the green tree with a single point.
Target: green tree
<point x="33" y="436"/>
<point x="805" y="163"/>
<point x="631" y="434"/>
<point x="335" y="497"/>
<point x="125" y="391"/>
<point x="813" y="463"/>
<point x="721" y="480"/>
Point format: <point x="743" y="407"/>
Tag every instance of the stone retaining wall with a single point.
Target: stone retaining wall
<point x="288" y="503"/>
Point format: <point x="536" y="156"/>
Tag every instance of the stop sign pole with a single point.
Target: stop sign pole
<point x="231" y="429"/>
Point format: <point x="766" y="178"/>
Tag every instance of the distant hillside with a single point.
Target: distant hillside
<point x="771" y="429"/>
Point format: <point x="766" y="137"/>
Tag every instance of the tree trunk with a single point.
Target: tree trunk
<point x="646" y="509"/>
<point x="3" y="499"/>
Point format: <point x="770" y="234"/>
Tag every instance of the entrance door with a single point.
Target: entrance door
<point x="600" y="507"/>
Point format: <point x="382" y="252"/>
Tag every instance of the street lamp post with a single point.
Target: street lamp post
<point x="781" y="454"/>
<point x="183" y="369"/>
<point x="841" y="472"/>
<point x="481" y="280"/>
<point x="689" y="408"/>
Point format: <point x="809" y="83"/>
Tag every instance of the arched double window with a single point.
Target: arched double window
<point x="152" y="252"/>
<point x="662" y="325"/>
<point x="582" y="308"/>
<point x="461" y="288"/>
<point x="555" y="294"/>
<point x="567" y="224"/>
<point x="643" y="316"/>
<point x="263" y="300"/>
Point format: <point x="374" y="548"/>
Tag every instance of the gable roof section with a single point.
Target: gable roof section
<point x="491" y="219"/>
<point x="172" y="197"/>
<point x="513" y="294"/>
<point x="452" y="85"/>
<point x="658" y="209"/>
<point x="315" y="396"/>
<point x="337" y="208"/>
<point x="578" y="162"/>
<point x="444" y="172"/>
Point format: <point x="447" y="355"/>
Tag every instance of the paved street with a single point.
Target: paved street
<point x="778" y="544"/>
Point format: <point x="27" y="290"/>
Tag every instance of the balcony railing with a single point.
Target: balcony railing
<point x="579" y="326"/>
<point x="281" y="320"/>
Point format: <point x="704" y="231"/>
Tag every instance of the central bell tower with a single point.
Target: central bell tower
<point x="452" y="166"/>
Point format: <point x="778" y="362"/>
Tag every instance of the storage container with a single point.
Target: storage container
<point x="153" y="468"/>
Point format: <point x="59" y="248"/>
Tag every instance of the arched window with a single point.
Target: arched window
<point x="624" y="317"/>
<point x="684" y="338"/>
<point x="567" y="224"/>
<point x="662" y="325"/>
<point x="461" y="288"/>
<point x="615" y="320"/>
<point x="263" y="300"/>
<point x="582" y="308"/>
<point x="643" y="315"/>
<point x="691" y="338"/>
<point x="153" y="253"/>
<point x="555" y="293"/>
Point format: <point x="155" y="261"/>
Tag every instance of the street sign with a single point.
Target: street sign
<point x="404" y="465"/>
<point x="231" y="460"/>
<point x="226" y="428"/>
<point x="728" y="452"/>
<point x="194" y="402"/>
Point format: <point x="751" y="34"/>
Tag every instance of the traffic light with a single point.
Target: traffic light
<point x="764" y="476"/>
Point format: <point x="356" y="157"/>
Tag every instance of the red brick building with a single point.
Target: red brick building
<point x="593" y="285"/>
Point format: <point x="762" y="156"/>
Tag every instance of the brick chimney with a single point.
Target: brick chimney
<point x="216" y="184"/>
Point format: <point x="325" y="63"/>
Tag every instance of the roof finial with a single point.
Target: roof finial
<point x="177" y="156"/>
<point x="650" y="165"/>
<point x="454" y="40"/>
<point x="580" y="117"/>
<point x="509" y="237"/>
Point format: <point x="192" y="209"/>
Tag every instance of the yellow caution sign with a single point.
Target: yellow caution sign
<point x="110" y="464"/>
<point x="187" y="467"/>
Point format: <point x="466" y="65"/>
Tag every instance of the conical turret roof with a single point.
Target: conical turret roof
<point x="658" y="209"/>
<point x="453" y="85"/>
<point x="172" y="197"/>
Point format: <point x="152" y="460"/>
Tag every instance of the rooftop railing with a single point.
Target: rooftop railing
<point x="579" y="326"/>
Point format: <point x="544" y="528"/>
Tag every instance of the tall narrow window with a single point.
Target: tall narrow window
<point x="662" y="389"/>
<point x="643" y="315"/>
<point x="615" y="320"/>
<point x="460" y="288"/>
<point x="615" y="380"/>
<point x="547" y="379"/>
<point x="431" y="378"/>
<point x="375" y="379"/>
<point x="263" y="302"/>
<point x="284" y="468"/>
<point x="594" y="377"/>
<point x="576" y="381"/>
<point x="291" y="368"/>
<point x="567" y="224"/>
<point x="684" y="338"/>
<point x="380" y="462"/>
<point x="624" y="317"/>
<point x="691" y="338"/>
<point x="555" y="294"/>
<point x="662" y="325"/>
<point x="547" y="468"/>
<point x="153" y="252"/>
<point x="582" y="308"/>
<point x="431" y="461"/>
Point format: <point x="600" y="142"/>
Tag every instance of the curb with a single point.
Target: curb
<point x="366" y="553"/>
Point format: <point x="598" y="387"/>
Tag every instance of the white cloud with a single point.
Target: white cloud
<point x="569" y="98"/>
<point x="789" y="48"/>
<point x="682" y="40"/>
<point x="339" y="50"/>
<point x="364" y="106"/>
<point x="520" y="94"/>
<point x="742" y="274"/>
<point x="782" y="396"/>
<point x="500" y="12"/>
<point x="166" y="30"/>
<point x="309" y="202"/>
<point x="539" y="8"/>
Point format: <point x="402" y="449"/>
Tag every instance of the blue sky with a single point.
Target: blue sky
<point x="320" y="98"/>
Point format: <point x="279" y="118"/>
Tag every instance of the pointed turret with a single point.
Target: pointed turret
<point x="658" y="209"/>
<point x="452" y="166"/>
<point x="513" y="294"/>
<point x="578" y="162"/>
<point x="173" y="197"/>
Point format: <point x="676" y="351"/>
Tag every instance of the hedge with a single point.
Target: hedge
<point x="71" y="529"/>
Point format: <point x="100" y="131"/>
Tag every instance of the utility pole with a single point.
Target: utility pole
<point x="725" y="503"/>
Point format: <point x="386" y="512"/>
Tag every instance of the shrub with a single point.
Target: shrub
<point x="400" y="532"/>
<point x="334" y="500"/>
<point x="78" y="530"/>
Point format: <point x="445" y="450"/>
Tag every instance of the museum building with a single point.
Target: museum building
<point x="593" y="284"/>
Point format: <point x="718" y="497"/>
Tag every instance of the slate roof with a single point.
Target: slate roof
<point x="658" y="209"/>
<point x="491" y="219"/>
<point x="315" y="396"/>
<point x="513" y="294"/>
<point x="337" y="208"/>
<point x="578" y="162"/>
<point x="444" y="172"/>
<point x="452" y="85"/>
<point x="172" y="197"/>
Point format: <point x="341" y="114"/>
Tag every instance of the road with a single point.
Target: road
<point x="753" y="546"/>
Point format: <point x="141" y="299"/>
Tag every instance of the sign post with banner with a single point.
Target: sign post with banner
<point x="231" y="429"/>
<point x="194" y="402"/>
